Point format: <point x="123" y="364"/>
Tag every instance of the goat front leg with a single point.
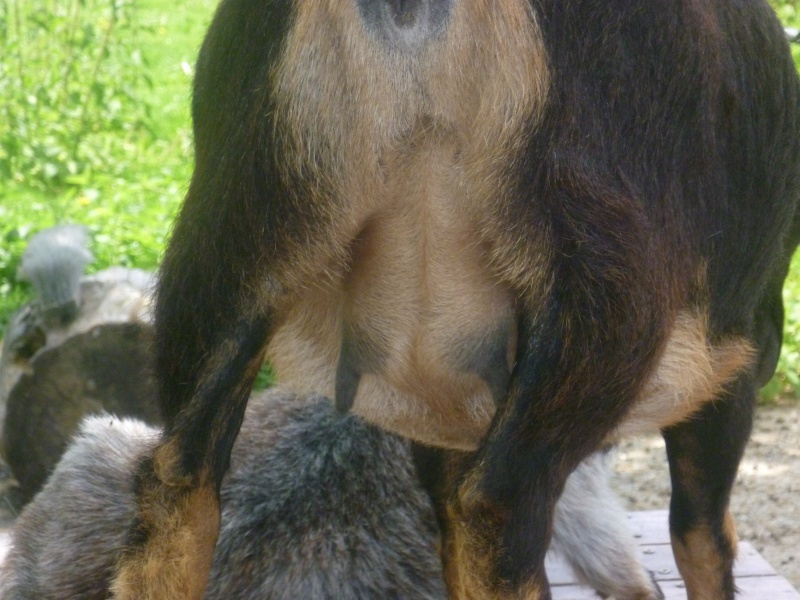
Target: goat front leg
<point x="213" y="313"/>
<point x="230" y="261"/>
<point x="171" y="543"/>
<point x="223" y="285"/>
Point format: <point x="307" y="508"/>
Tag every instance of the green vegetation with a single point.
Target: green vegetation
<point x="94" y="128"/>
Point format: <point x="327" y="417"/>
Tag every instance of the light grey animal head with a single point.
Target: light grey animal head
<point x="53" y="263"/>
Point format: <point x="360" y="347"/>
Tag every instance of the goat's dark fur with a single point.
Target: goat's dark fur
<point x="519" y="229"/>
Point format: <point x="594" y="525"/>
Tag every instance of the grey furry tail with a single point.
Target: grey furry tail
<point x="53" y="263"/>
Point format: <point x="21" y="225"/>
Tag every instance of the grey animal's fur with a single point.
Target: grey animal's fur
<point x="316" y="505"/>
<point x="53" y="263"/>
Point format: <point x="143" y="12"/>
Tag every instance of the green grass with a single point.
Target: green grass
<point x="100" y="134"/>
<point x="786" y="383"/>
<point x="132" y="172"/>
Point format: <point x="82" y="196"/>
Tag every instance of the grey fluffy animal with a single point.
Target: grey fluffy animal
<point x="316" y="505"/>
<point x="53" y="263"/>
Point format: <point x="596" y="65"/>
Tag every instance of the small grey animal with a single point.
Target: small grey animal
<point x="316" y="505"/>
<point x="53" y="263"/>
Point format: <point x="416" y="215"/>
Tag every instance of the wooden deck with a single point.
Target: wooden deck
<point x="755" y="578"/>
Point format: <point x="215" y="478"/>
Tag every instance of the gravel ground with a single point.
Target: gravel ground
<point x="766" y="498"/>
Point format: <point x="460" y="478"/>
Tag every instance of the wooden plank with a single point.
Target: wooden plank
<point x="650" y="527"/>
<point x="575" y="592"/>
<point x="750" y="588"/>
<point x="753" y="588"/>
<point x="658" y="559"/>
<point x="755" y="578"/>
<point x="750" y="563"/>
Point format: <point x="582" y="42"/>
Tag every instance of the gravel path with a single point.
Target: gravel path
<point x="766" y="498"/>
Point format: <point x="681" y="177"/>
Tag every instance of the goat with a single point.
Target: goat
<point x="517" y="229"/>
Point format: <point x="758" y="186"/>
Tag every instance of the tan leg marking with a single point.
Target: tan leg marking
<point x="700" y="562"/>
<point x="176" y="559"/>
<point x="472" y="549"/>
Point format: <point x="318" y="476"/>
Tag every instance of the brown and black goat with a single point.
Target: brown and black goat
<point x="520" y="228"/>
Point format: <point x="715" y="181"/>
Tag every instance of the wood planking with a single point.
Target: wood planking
<point x="755" y="578"/>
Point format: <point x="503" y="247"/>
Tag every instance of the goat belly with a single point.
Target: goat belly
<point x="416" y="334"/>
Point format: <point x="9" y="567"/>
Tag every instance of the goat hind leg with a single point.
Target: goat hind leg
<point x="704" y="455"/>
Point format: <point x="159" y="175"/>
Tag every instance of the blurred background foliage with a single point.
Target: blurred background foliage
<point x="95" y="129"/>
<point x="94" y="124"/>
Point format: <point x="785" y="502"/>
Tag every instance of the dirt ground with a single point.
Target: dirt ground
<point x="766" y="498"/>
